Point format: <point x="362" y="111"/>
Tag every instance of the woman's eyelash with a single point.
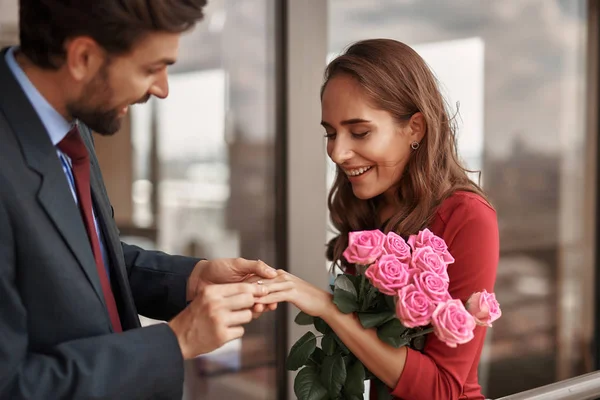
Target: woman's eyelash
<point x="355" y="135"/>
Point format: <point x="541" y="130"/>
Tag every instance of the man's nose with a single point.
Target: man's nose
<point x="160" y="88"/>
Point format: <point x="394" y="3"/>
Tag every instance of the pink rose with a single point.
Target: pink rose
<point x="425" y="259"/>
<point x="388" y="274"/>
<point x="434" y="286"/>
<point x="413" y="307"/>
<point x="364" y="247"/>
<point x="395" y="244"/>
<point x="452" y="323"/>
<point x="427" y="238"/>
<point x="484" y="307"/>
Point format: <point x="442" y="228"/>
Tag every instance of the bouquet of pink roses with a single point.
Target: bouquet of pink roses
<point x="401" y="289"/>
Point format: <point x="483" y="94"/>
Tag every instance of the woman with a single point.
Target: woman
<point x="392" y="139"/>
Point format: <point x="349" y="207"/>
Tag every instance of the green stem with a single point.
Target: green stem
<point x="419" y="333"/>
<point x="361" y="292"/>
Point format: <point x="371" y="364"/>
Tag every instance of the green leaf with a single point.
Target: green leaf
<point x="390" y="302"/>
<point x="329" y="344"/>
<point x="303" y="319"/>
<point x="383" y="393"/>
<point x="345" y="301"/>
<point x="418" y="343"/>
<point x="381" y="303"/>
<point x="322" y="326"/>
<point x="355" y="279"/>
<point x="372" y="295"/>
<point x="369" y="376"/>
<point x="348" y="396"/>
<point x="307" y="385"/>
<point x="318" y="356"/>
<point x="343" y="347"/>
<point x="333" y="374"/>
<point x="372" y="320"/>
<point x="355" y="381"/>
<point x="348" y="359"/>
<point x="343" y="282"/>
<point x="391" y="333"/>
<point x="301" y="351"/>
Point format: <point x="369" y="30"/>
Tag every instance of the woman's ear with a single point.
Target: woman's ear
<point x="417" y="126"/>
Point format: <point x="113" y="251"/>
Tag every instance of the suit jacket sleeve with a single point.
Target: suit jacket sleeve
<point x="158" y="281"/>
<point x="82" y="368"/>
<point x="440" y="372"/>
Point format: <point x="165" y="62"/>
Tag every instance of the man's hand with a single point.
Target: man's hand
<point x="225" y="270"/>
<point x="228" y="270"/>
<point x="215" y="317"/>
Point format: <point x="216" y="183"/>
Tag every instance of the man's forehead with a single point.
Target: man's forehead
<point x="157" y="48"/>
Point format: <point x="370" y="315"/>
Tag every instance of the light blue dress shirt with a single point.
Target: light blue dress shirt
<point x="57" y="128"/>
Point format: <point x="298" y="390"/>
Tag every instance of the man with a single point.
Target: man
<point x="70" y="290"/>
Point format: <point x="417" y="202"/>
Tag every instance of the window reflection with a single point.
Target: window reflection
<point x="204" y="174"/>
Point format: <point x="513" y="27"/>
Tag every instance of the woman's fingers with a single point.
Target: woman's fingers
<point x="258" y="308"/>
<point x="282" y="283"/>
<point x="254" y="279"/>
<point x="276" y="297"/>
<point x="279" y="286"/>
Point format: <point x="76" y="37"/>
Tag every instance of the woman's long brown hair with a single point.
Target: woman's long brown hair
<point x="396" y="79"/>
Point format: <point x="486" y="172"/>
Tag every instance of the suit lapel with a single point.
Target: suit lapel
<point x="54" y="194"/>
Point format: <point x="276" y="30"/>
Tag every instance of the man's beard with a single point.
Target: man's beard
<point x="92" y="109"/>
<point x="105" y="123"/>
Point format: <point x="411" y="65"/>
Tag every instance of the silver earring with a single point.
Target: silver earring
<point x="414" y="145"/>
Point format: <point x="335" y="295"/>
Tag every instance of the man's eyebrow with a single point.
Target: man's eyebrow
<point x="164" y="61"/>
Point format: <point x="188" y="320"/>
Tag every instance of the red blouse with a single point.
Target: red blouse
<point x="470" y="228"/>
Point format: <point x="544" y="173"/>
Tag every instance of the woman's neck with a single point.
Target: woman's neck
<point x="386" y="212"/>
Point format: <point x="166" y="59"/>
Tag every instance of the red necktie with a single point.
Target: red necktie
<point x="72" y="145"/>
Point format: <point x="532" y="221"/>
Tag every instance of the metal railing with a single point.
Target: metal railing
<point x="583" y="387"/>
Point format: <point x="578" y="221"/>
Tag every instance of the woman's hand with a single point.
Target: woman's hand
<point x="287" y="287"/>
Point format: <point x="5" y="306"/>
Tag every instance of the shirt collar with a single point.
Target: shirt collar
<point x="56" y="125"/>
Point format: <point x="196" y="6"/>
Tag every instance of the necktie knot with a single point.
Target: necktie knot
<point x="72" y="145"/>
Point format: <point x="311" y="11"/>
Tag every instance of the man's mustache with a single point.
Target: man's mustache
<point x="143" y="99"/>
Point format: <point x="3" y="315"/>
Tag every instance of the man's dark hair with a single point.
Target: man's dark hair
<point x="116" y="25"/>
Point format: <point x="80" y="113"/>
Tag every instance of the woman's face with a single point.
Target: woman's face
<point x="369" y="145"/>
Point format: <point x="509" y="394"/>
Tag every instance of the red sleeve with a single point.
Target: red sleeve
<point x="471" y="231"/>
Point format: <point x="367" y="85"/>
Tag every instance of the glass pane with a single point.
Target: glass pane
<point x="9" y="25"/>
<point x="517" y="71"/>
<point x="205" y="176"/>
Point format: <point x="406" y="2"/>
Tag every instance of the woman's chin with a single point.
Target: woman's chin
<point x="362" y="194"/>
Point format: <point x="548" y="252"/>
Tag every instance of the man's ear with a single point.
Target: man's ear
<point x="84" y="58"/>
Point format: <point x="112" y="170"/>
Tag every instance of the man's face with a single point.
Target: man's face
<point x="125" y="80"/>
